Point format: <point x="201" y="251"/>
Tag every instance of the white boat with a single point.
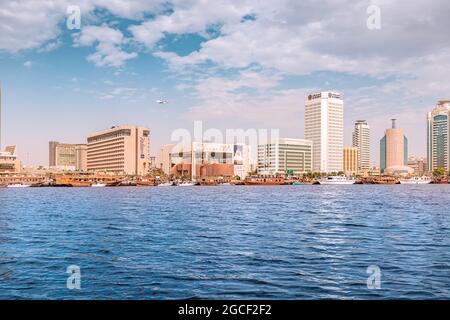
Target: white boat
<point x="18" y="185"/>
<point x="336" y="180"/>
<point x="186" y="184"/>
<point x="416" y="180"/>
<point x="165" y="184"/>
<point x="98" y="185"/>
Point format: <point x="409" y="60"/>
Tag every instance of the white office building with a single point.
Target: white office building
<point x="324" y="126"/>
<point x="284" y="156"/>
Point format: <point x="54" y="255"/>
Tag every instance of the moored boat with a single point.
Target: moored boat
<point x="264" y="181"/>
<point x="186" y="184"/>
<point x="331" y="180"/>
<point x="18" y="185"/>
<point x="416" y="180"/>
<point x="146" y="183"/>
<point x="98" y="185"/>
<point x="166" y="184"/>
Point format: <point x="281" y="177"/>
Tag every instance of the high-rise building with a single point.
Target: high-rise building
<point x="285" y="156"/>
<point x="69" y="156"/>
<point x="394" y="151"/>
<point x="1" y="109"/>
<point x="324" y="126"/>
<point x="438" y="142"/>
<point x="361" y="140"/>
<point x="119" y="150"/>
<point x="351" y="160"/>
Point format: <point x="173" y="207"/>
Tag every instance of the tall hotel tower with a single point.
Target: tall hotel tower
<point x="361" y="140"/>
<point x="437" y="136"/>
<point x="324" y="126"/>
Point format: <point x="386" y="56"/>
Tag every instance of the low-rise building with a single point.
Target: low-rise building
<point x="208" y="160"/>
<point x="284" y="156"/>
<point x="9" y="162"/>
<point x="419" y="164"/>
<point x="163" y="158"/>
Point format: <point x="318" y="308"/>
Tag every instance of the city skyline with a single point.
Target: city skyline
<point x="66" y="84"/>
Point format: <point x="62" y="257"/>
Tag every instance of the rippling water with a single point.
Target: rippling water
<point x="285" y="242"/>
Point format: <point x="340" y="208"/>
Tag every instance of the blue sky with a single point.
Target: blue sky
<point x="232" y="64"/>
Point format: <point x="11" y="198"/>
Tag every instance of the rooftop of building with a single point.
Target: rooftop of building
<point x="294" y="141"/>
<point x="324" y="94"/>
<point x="117" y="128"/>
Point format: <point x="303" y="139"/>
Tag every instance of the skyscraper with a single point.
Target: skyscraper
<point x="394" y="151"/>
<point x="361" y="140"/>
<point x="1" y="115"/>
<point x="438" y="121"/>
<point x="324" y="126"/>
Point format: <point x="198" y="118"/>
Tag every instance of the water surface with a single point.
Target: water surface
<point x="242" y="242"/>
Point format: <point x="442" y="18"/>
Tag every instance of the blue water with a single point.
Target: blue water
<point x="283" y="242"/>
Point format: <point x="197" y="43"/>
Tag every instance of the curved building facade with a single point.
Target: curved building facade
<point x="393" y="149"/>
<point x="438" y="149"/>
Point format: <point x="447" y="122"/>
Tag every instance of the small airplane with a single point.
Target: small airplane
<point x="162" y="101"/>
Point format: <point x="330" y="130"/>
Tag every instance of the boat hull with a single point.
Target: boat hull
<point x="415" y="182"/>
<point x="258" y="183"/>
<point x="336" y="182"/>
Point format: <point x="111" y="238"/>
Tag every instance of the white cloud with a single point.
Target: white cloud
<point x="34" y="24"/>
<point x="108" y="43"/>
<point x="28" y="24"/>
<point x="28" y="64"/>
<point x="278" y="39"/>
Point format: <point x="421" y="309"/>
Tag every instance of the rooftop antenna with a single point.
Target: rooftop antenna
<point x="393" y="123"/>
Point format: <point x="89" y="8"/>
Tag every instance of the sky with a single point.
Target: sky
<point x="231" y="64"/>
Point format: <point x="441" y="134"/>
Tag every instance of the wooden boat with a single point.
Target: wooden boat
<point x="264" y="181"/>
<point x="146" y="183"/>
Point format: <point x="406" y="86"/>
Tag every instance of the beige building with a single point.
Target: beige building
<point x="67" y="156"/>
<point x="9" y="163"/>
<point x="163" y="158"/>
<point x="120" y="150"/>
<point x="418" y="164"/>
<point x="351" y="160"/>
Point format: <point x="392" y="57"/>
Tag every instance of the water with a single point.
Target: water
<point x="282" y="242"/>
